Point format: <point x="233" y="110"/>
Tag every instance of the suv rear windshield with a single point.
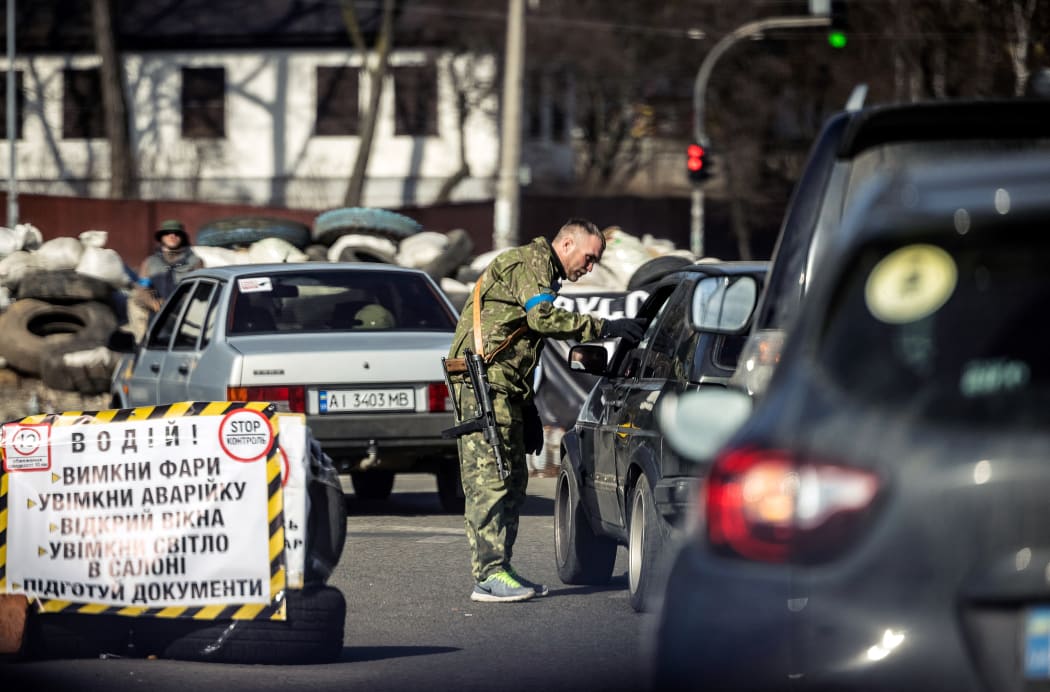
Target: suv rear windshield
<point x="337" y="300"/>
<point x="951" y="332"/>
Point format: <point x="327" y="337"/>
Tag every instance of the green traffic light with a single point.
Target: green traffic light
<point x="837" y="39"/>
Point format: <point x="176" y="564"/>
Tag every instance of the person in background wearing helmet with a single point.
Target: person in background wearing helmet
<point x="373" y="316"/>
<point x="516" y="313"/>
<point x="161" y="271"/>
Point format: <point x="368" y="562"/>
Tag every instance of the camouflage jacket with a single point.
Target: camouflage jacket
<point x="519" y="287"/>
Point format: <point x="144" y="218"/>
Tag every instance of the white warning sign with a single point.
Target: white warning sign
<point x="152" y="513"/>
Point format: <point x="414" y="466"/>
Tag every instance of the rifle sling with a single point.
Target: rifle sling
<point x="478" y="346"/>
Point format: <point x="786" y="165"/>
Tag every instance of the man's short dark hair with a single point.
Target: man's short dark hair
<point x="585" y="225"/>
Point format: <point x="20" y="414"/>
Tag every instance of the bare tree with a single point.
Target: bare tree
<point x="376" y="69"/>
<point x="123" y="171"/>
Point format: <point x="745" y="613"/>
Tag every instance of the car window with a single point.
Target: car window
<point x="665" y="357"/>
<point x="337" y="300"/>
<point x="965" y="342"/>
<point x="211" y="318"/>
<point x="628" y="359"/>
<point x="192" y="324"/>
<point x="164" y="325"/>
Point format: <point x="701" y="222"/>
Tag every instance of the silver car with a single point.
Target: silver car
<point x="356" y="347"/>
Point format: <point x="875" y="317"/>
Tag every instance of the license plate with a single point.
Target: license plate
<point x="1037" y="644"/>
<point x="355" y="400"/>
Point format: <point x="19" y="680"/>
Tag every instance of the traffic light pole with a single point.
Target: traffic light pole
<point x="750" y="30"/>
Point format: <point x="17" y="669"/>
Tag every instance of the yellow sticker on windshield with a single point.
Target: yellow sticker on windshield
<point x="910" y="283"/>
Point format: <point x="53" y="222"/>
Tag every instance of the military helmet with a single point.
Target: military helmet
<point x="374" y="317"/>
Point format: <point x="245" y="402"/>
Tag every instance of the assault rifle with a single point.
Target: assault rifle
<point x="485" y="421"/>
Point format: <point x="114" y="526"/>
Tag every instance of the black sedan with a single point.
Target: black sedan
<point x="619" y="484"/>
<point x="880" y="520"/>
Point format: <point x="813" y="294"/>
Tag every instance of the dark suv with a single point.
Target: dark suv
<point x="619" y="483"/>
<point x="853" y="147"/>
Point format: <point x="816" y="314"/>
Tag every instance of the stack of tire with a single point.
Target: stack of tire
<point x="367" y="234"/>
<point x="65" y="309"/>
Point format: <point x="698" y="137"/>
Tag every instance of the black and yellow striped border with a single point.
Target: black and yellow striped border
<point x="275" y="610"/>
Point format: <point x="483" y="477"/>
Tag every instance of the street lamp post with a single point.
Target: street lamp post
<point x="750" y="30"/>
<point x="12" y="133"/>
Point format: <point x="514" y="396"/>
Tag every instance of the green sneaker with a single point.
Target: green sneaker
<point x="501" y="587"/>
<point x="539" y="589"/>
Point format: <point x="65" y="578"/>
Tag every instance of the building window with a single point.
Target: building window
<point x="203" y="102"/>
<point x="337" y="101"/>
<point x="19" y="105"/>
<point x="415" y="100"/>
<point x="82" y="116"/>
<point x="545" y="97"/>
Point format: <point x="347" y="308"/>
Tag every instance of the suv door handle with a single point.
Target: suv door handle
<point x="184" y="369"/>
<point x="154" y="367"/>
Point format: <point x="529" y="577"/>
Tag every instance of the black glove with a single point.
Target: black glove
<point x="628" y="328"/>
<point x="532" y="428"/>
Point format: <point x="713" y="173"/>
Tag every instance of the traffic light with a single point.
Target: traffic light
<point x="837" y="29"/>
<point x="697" y="163"/>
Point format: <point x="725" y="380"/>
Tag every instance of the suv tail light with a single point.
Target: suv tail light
<point x="769" y="506"/>
<point x="438" y="398"/>
<point x="286" y="398"/>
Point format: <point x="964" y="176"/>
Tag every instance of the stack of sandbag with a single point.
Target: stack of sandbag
<point x="61" y="300"/>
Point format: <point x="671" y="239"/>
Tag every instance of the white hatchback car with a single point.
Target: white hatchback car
<point x="356" y="347"/>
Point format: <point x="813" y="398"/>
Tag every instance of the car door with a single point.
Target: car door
<point x="144" y="383"/>
<point x="665" y="365"/>
<point x="187" y="342"/>
<point x="616" y="392"/>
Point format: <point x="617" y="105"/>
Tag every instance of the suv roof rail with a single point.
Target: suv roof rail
<point x="856" y="98"/>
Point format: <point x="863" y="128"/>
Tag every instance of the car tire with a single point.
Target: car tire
<point x="582" y="557"/>
<point x="312" y="633"/>
<point x="33" y="328"/>
<point x="450" y="487"/>
<point x="245" y="230"/>
<point x="646" y="536"/>
<point x="372" y="485"/>
<point x="656" y="268"/>
<point x="330" y="225"/>
<point x="63" y="286"/>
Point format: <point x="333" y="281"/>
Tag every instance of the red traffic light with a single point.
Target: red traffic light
<point x="695" y="162"/>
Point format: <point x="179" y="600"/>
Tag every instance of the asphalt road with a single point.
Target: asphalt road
<point x="411" y="624"/>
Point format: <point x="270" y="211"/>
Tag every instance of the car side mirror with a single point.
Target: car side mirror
<point x="696" y="424"/>
<point x="122" y="341"/>
<point x="588" y="358"/>
<point x="723" y="304"/>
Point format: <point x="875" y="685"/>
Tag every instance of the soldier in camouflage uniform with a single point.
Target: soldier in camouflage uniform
<point x="517" y="289"/>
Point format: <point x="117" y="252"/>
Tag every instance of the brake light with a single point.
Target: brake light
<point x="769" y="506"/>
<point x="285" y="398"/>
<point x="438" y="398"/>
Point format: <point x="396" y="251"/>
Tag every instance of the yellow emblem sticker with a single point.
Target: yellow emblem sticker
<point x="910" y="283"/>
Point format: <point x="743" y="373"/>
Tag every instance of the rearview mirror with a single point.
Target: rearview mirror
<point x="121" y="341"/>
<point x="588" y="358"/>
<point x="723" y="304"/>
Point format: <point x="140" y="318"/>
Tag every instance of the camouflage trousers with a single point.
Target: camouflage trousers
<point x="493" y="504"/>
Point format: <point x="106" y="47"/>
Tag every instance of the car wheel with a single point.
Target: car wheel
<point x="581" y="556"/>
<point x="646" y="536"/>
<point x="312" y="633"/>
<point x="450" y="487"/>
<point x="372" y="485"/>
